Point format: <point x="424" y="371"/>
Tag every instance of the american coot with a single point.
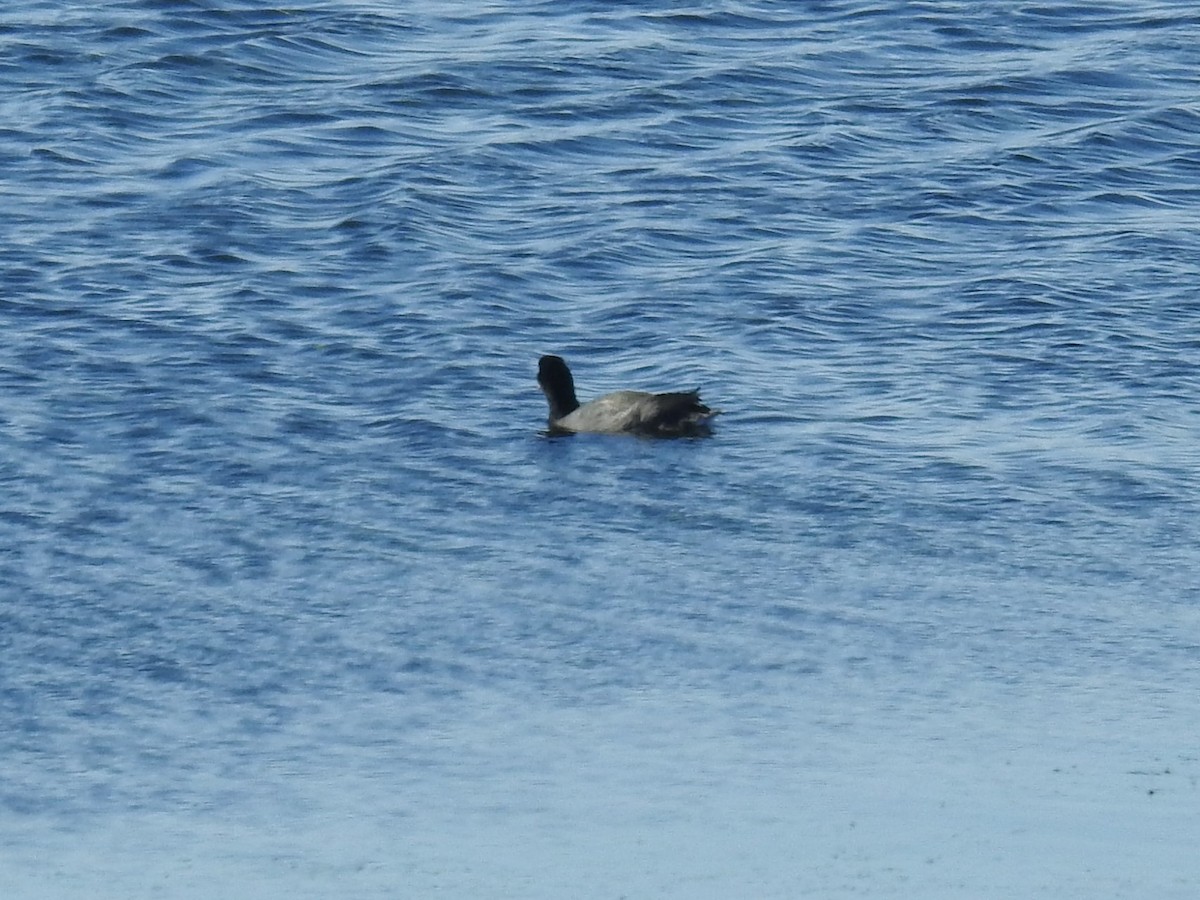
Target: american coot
<point x="622" y="412"/>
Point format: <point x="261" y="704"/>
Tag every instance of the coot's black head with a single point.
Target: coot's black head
<point x="554" y="378"/>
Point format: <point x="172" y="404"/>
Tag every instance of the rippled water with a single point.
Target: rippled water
<point x="297" y="599"/>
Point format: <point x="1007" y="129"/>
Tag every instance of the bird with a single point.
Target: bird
<point x="678" y="414"/>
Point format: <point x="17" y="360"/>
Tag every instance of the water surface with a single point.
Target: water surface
<point x="296" y="598"/>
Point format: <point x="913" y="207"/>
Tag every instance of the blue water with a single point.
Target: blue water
<point x="297" y="600"/>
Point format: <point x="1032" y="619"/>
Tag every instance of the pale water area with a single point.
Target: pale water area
<point x="298" y="601"/>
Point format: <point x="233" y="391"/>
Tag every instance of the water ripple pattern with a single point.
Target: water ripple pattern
<point x="281" y="538"/>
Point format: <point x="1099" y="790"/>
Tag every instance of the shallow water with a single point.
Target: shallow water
<point x="296" y="598"/>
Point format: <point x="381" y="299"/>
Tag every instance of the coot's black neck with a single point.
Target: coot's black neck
<point x="554" y="378"/>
